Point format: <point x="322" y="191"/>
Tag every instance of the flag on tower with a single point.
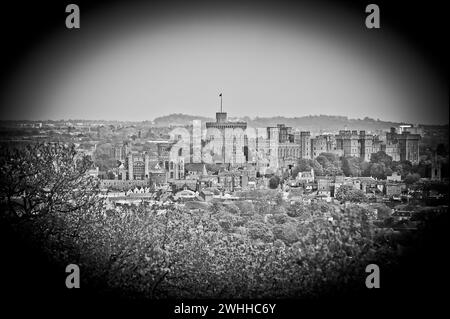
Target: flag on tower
<point x="220" y="94"/>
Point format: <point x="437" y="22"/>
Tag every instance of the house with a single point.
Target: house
<point x="305" y="177"/>
<point x="206" y="195"/>
<point x="394" y="189"/>
<point x="186" y="194"/>
<point x="338" y="182"/>
<point x="324" y="182"/>
<point x="367" y="184"/>
<point x="195" y="170"/>
<point x="157" y="173"/>
<point x="94" y="172"/>
<point x="394" y="177"/>
<point x="399" y="215"/>
<point x="325" y="186"/>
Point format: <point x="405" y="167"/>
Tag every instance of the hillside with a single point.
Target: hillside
<point x="179" y="119"/>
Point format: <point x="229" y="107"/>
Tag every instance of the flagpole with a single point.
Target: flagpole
<point x="221" y="103"/>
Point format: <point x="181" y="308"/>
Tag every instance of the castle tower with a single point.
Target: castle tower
<point x="146" y="166"/>
<point x="130" y="167"/>
<point x="435" y="169"/>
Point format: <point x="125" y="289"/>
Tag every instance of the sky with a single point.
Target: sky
<point x="138" y="62"/>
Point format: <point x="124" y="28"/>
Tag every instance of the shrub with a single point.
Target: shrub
<point x="280" y="218"/>
<point x="258" y="230"/>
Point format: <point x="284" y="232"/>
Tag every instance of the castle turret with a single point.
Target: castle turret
<point x="221" y="117"/>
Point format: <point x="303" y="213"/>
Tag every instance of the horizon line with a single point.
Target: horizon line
<point x="252" y="118"/>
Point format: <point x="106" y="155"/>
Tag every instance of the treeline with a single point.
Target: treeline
<point x="380" y="166"/>
<point x="226" y="251"/>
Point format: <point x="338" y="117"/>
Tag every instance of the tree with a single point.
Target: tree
<point x="286" y="175"/>
<point x="442" y="149"/>
<point x="105" y="162"/>
<point x="412" y="178"/>
<point x="259" y="230"/>
<point x="286" y="232"/>
<point x="351" y="166"/>
<point x="110" y="175"/>
<point x="331" y="157"/>
<point x="406" y="168"/>
<point x="274" y="181"/>
<point x="381" y="157"/>
<point x="330" y="164"/>
<point x="349" y="193"/>
<point x="296" y="209"/>
<point x="45" y="178"/>
<point x="383" y="211"/>
<point x="304" y="165"/>
<point x="323" y="161"/>
<point x="318" y="169"/>
<point x="379" y="170"/>
<point x="138" y="252"/>
<point x="103" y="159"/>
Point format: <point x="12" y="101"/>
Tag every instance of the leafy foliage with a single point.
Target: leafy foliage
<point x="138" y="252"/>
<point x="306" y="165"/>
<point x="349" y="193"/>
<point x="45" y="178"/>
<point x="274" y="181"/>
<point x="330" y="163"/>
<point x="259" y="249"/>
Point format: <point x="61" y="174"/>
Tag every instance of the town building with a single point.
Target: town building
<point x="288" y="154"/>
<point x="305" y="177"/>
<point x="318" y="145"/>
<point x="138" y="166"/>
<point x="394" y="189"/>
<point x="395" y="177"/>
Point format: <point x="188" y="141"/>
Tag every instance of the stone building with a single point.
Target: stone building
<point x="120" y="151"/>
<point x="348" y="141"/>
<point x="354" y="144"/>
<point x="288" y="154"/>
<point x="303" y="139"/>
<point x="365" y="145"/>
<point x="229" y="147"/>
<point x="392" y="149"/>
<point x="284" y="133"/>
<point x="318" y="145"/>
<point x="436" y="168"/>
<point x="408" y="144"/>
<point x="138" y="166"/>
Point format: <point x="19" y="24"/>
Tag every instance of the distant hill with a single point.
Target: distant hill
<point x="179" y="119"/>
<point x="313" y="123"/>
<point x="324" y="123"/>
